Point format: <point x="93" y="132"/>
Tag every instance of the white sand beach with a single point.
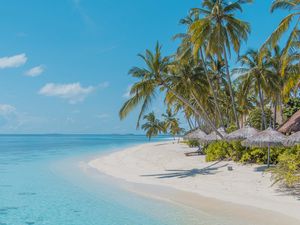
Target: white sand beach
<point x="165" y="164"/>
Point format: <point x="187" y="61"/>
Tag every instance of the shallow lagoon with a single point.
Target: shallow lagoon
<point x="41" y="183"/>
<point x="45" y="180"/>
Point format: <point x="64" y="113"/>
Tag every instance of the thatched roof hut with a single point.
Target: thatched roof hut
<point x="292" y="125"/>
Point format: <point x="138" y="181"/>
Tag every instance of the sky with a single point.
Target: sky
<point x="64" y="63"/>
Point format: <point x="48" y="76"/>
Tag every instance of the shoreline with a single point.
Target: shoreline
<point x="160" y="170"/>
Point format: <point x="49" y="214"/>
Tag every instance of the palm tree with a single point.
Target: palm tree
<point x="287" y="80"/>
<point x="189" y="80"/>
<point x="169" y="118"/>
<point x="218" y="31"/>
<point x="171" y="123"/>
<point x="257" y="78"/>
<point x="153" y="126"/>
<point x="156" y="77"/>
<point x="290" y="22"/>
<point x="175" y="130"/>
<point x="184" y="53"/>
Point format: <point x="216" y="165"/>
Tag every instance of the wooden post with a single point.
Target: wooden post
<point x="268" y="155"/>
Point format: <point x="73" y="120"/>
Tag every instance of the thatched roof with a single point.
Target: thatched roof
<point x="242" y="133"/>
<point x="292" y="124"/>
<point x="293" y="139"/>
<point x="196" y="135"/>
<point x="214" y="137"/>
<point x="268" y="137"/>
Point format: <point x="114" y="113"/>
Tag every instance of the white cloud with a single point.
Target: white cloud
<point x="127" y="93"/>
<point x="6" y="110"/>
<point x="13" y="61"/>
<point x="35" y="71"/>
<point x="73" y="92"/>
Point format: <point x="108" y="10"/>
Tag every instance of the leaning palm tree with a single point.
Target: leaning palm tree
<point x="218" y="31"/>
<point x="156" y="77"/>
<point x="143" y="91"/>
<point x="153" y="126"/>
<point x="286" y="80"/>
<point x="184" y="54"/>
<point x="290" y="22"/>
<point x="257" y="78"/>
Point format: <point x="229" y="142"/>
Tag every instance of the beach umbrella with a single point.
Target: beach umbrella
<point x="266" y="138"/>
<point x="293" y="139"/>
<point x="196" y="135"/>
<point x="213" y="136"/>
<point x="242" y="133"/>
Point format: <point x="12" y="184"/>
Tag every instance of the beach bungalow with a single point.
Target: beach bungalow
<point x="292" y="125"/>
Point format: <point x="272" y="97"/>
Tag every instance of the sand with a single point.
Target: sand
<point x="164" y="164"/>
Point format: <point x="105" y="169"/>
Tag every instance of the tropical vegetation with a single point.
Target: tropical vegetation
<point x="200" y="81"/>
<point x="169" y="125"/>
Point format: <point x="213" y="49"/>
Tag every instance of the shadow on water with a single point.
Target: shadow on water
<point x="209" y="170"/>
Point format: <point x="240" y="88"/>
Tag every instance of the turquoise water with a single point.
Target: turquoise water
<point x="45" y="180"/>
<point x="41" y="183"/>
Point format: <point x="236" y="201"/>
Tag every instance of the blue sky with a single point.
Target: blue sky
<point x="64" y="63"/>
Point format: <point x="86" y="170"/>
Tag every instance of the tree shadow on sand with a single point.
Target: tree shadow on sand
<point x="160" y="144"/>
<point x="209" y="170"/>
<point x="262" y="168"/>
<point x="294" y="191"/>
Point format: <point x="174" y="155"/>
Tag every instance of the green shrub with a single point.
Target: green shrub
<point x="193" y="143"/>
<point x="216" y="151"/>
<point x="287" y="171"/>
<point x="231" y="128"/>
<point x="254" y="155"/>
<point x="220" y="150"/>
<point x="260" y="155"/>
<point x="234" y="150"/>
<point x="237" y="151"/>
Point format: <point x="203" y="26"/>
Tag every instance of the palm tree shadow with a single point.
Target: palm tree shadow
<point x="209" y="170"/>
<point x="295" y="191"/>
<point x="160" y="144"/>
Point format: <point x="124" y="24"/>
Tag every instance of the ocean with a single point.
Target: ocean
<point x="42" y="183"/>
<point x="45" y="180"/>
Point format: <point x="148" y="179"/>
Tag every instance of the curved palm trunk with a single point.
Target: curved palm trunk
<point x="186" y="102"/>
<point x="198" y="121"/>
<point x="261" y="100"/>
<point x="189" y="123"/>
<point x="280" y="116"/>
<point x="275" y="113"/>
<point x="231" y="89"/>
<point x="206" y="117"/>
<point x="212" y="88"/>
